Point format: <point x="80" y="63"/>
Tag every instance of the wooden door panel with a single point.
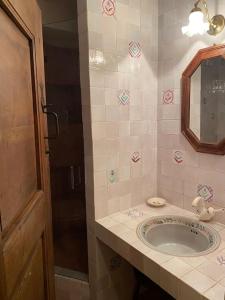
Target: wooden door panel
<point x="32" y="283"/>
<point x="13" y="260"/>
<point x="18" y="248"/>
<point x="19" y="175"/>
<point x="26" y="264"/>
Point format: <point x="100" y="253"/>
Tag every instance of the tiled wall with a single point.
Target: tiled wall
<point x="182" y="172"/>
<point x="119" y="99"/>
<point x="122" y="37"/>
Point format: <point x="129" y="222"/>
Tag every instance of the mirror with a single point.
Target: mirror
<point x="203" y="101"/>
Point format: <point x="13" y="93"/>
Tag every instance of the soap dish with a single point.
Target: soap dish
<point x="156" y="202"/>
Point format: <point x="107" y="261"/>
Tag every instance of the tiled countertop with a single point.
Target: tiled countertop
<point x="185" y="278"/>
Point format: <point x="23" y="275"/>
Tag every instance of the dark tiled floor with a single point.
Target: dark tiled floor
<point x="70" y="236"/>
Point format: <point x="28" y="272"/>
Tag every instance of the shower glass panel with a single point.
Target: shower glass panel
<point x="63" y="97"/>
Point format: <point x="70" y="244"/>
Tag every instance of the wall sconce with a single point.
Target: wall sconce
<point x="196" y="25"/>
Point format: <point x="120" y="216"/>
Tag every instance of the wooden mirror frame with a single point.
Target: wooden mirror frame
<point x="202" y="55"/>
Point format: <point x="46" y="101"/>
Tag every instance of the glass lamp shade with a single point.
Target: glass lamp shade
<point x="196" y="24"/>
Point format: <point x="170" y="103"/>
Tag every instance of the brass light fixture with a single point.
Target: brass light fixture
<point x="213" y="26"/>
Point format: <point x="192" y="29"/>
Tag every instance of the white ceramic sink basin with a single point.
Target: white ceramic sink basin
<point x="178" y="236"/>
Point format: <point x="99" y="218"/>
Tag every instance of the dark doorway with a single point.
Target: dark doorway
<point x="63" y="98"/>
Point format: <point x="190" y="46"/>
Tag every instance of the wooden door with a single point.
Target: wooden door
<point x="26" y="264"/>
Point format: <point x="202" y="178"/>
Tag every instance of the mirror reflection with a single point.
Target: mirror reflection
<point x="207" y="101"/>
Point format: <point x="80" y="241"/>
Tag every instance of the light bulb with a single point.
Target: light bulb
<point x="196" y="24"/>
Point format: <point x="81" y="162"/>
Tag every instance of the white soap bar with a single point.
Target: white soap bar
<point x="156" y="202"/>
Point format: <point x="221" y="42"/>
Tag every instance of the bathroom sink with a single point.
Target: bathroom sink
<point x="178" y="236"/>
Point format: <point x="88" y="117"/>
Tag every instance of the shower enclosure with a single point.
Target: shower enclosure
<point x="63" y="99"/>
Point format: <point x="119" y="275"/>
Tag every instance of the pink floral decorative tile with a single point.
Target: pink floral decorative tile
<point x="206" y="192"/>
<point x="168" y="96"/>
<point x="136" y="157"/>
<point x="109" y="7"/>
<point x="135" y="49"/>
<point x="124" y="97"/>
<point x="178" y="157"/>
